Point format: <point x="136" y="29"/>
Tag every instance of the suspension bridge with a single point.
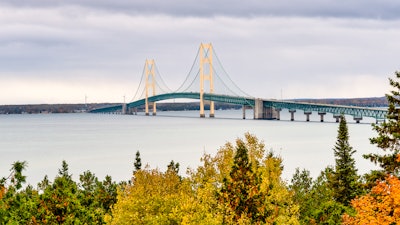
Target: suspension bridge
<point x="208" y="82"/>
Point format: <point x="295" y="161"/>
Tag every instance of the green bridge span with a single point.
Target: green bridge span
<point x="263" y="108"/>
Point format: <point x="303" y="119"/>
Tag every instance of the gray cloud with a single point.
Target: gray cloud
<point x="376" y="9"/>
<point x="100" y="50"/>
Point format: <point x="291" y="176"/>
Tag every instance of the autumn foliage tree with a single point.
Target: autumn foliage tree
<point x="241" y="184"/>
<point x="154" y="197"/>
<point x="241" y="190"/>
<point x="252" y="191"/>
<point x="62" y="201"/>
<point x="381" y="206"/>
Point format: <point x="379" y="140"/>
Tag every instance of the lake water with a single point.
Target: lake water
<point x="106" y="144"/>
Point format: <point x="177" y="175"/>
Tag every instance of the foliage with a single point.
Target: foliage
<point x="388" y="138"/>
<point x="138" y="162"/>
<point x="324" y="200"/>
<point x="60" y="201"/>
<point x="315" y="197"/>
<point x="252" y="190"/>
<point x="15" y="179"/>
<point x="240" y="192"/>
<point x="208" y="194"/>
<point x="153" y="198"/>
<point x="301" y="187"/>
<point x="344" y="181"/>
<point x="173" y="167"/>
<point x="381" y="206"/>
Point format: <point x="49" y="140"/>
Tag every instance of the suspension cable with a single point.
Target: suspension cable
<point x="190" y="71"/>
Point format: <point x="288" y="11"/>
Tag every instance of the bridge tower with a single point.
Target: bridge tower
<point x="206" y="73"/>
<point x="150" y="84"/>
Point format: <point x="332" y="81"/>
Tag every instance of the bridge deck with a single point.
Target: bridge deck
<point x="248" y="101"/>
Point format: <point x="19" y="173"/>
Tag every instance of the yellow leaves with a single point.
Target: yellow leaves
<point x="381" y="206"/>
<point x="155" y="197"/>
<point x="151" y="198"/>
<point x="398" y="158"/>
<point x="2" y="191"/>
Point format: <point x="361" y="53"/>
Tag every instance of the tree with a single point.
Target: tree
<point x="240" y="192"/>
<point x="17" y="206"/>
<point x="154" y="198"/>
<point x="381" y="206"/>
<point x="252" y="190"/>
<point x="301" y="186"/>
<point x="15" y="178"/>
<point x="138" y="162"/>
<point x="388" y="138"/>
<point x="173" y="167"/>
<point x="242" y="173"/>
<point x="344" y="180"/>
<point x="315" y="198"/>
<point x="59" y="202"/>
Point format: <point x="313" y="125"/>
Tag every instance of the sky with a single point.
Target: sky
<point x="56" y="51"/>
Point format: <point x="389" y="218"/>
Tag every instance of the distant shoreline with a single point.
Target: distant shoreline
<point x="79" y="108"/>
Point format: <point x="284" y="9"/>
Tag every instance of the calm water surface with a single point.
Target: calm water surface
<point x="106" y="144"/>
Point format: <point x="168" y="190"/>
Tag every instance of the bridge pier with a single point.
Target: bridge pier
<point x="292" y="111"/>
<point x="322" y="114"/>
<point x="337" y="117"/>
<point x="258" y="109"/>
<point x="278" y="113"/>
<point x="357" y="118"/>
<point x="307" y="113"/>
<point x="261" y="112"/>
<point x="124" y="109"/>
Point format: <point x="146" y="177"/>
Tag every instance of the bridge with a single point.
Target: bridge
<point x="207" y="70"/>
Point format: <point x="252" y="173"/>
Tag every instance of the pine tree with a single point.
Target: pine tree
<point x="138" y="162"/>
<point x="240" y="192"/>
<point x="173" y="167"/>
<point x="388" y="137"/>
<point x="344" y="180"/>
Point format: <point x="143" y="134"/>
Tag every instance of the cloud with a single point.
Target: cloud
<point x="300" y="53"/>
<point x="385" y="9"/>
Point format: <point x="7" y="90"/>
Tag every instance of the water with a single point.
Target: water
<point x="106" y="144"/>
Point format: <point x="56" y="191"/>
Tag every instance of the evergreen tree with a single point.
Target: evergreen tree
<point x="240" y="192"/>
<point x="388" y="137"/>
<point x="173" y="167"/>
<point x="301" y="186"/>
<point x="344" y="180"/>
<point x="138" y="162"/>
<point x="15" y="178"/>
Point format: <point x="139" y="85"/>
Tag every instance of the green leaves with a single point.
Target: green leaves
<point x="388" y="138"/>
<point x="344" y="180"/>
<point x="60" y="201"/>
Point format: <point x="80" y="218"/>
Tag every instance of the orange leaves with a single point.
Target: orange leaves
<point x="381" y="206"/>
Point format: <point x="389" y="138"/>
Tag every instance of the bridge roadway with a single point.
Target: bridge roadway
<point x="263" y="108"/>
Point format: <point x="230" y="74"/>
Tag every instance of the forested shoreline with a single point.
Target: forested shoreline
<point x="240" y="184"/>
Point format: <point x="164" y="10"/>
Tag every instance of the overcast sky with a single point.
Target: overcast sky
<point x="59" y="51"/>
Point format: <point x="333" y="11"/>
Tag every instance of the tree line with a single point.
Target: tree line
<point x="240" y="184"/>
